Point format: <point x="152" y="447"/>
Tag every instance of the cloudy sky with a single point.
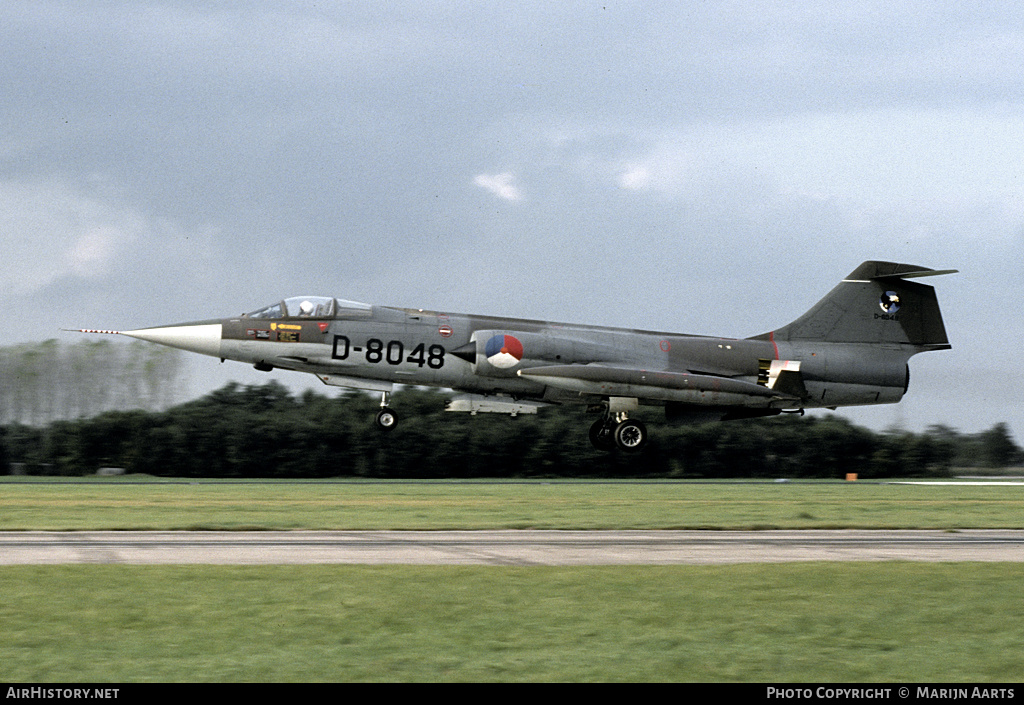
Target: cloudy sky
<point x="701" y="167"/>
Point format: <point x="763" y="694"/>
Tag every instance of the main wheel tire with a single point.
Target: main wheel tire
<point x="386" y="419"/>
<point x="630" y="435"/>
<point x="601" y="435"/>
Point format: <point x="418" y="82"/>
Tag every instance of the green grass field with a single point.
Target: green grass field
<point x="799" y="622"/>
<point x="833" y="622"/>
<point x="539" y="505"/>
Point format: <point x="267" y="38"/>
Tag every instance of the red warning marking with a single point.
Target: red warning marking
<point x="445" y="331"/>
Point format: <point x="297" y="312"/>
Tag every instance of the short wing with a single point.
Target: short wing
<point x="658" y="385"/>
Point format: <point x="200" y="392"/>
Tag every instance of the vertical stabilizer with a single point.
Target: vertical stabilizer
<point x="874" y="304"/>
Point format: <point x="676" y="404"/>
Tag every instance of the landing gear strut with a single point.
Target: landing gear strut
<point x="617" y="431"/>
<point x="386" y="418"/>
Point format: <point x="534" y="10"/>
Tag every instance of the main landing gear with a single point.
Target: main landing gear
<point x="615" y="430"/>
<point x="386" y="418"/>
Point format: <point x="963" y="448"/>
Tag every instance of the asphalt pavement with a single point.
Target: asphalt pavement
<point x="508" y="547"/>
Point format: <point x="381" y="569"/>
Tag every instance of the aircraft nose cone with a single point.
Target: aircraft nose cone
<point x="200" y="338"/>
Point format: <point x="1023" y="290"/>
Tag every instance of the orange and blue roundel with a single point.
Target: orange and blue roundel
<point x="503" y="351"/>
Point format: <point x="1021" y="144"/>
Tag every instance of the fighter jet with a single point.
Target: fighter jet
<point x="851" y="348"/>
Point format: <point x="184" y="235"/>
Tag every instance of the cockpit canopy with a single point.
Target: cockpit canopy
<point x="313" y="307"/>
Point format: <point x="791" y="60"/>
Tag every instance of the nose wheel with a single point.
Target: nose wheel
<point x="386" y="418"/>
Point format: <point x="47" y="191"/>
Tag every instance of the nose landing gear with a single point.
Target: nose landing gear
<point x="386" y="418"/>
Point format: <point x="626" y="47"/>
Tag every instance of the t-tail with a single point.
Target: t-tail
<point x="853" y="346"/>
<point x="875" y="304"/>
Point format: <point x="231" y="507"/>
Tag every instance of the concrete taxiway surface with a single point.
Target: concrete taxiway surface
<point x="514" y="547"/>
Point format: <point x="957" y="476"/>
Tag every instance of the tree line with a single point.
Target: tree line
<point x="49" y="381"/>
<point x="267" y="431"/>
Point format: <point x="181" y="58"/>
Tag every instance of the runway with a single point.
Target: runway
<point x="510" y="547"/>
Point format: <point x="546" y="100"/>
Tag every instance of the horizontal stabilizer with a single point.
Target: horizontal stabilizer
<point x="893" y="270"/>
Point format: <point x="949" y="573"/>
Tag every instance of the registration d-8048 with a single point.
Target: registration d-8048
<point x="392" y="352"/>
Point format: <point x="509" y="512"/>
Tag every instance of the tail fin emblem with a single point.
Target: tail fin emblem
<point x="890" y="302"/>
